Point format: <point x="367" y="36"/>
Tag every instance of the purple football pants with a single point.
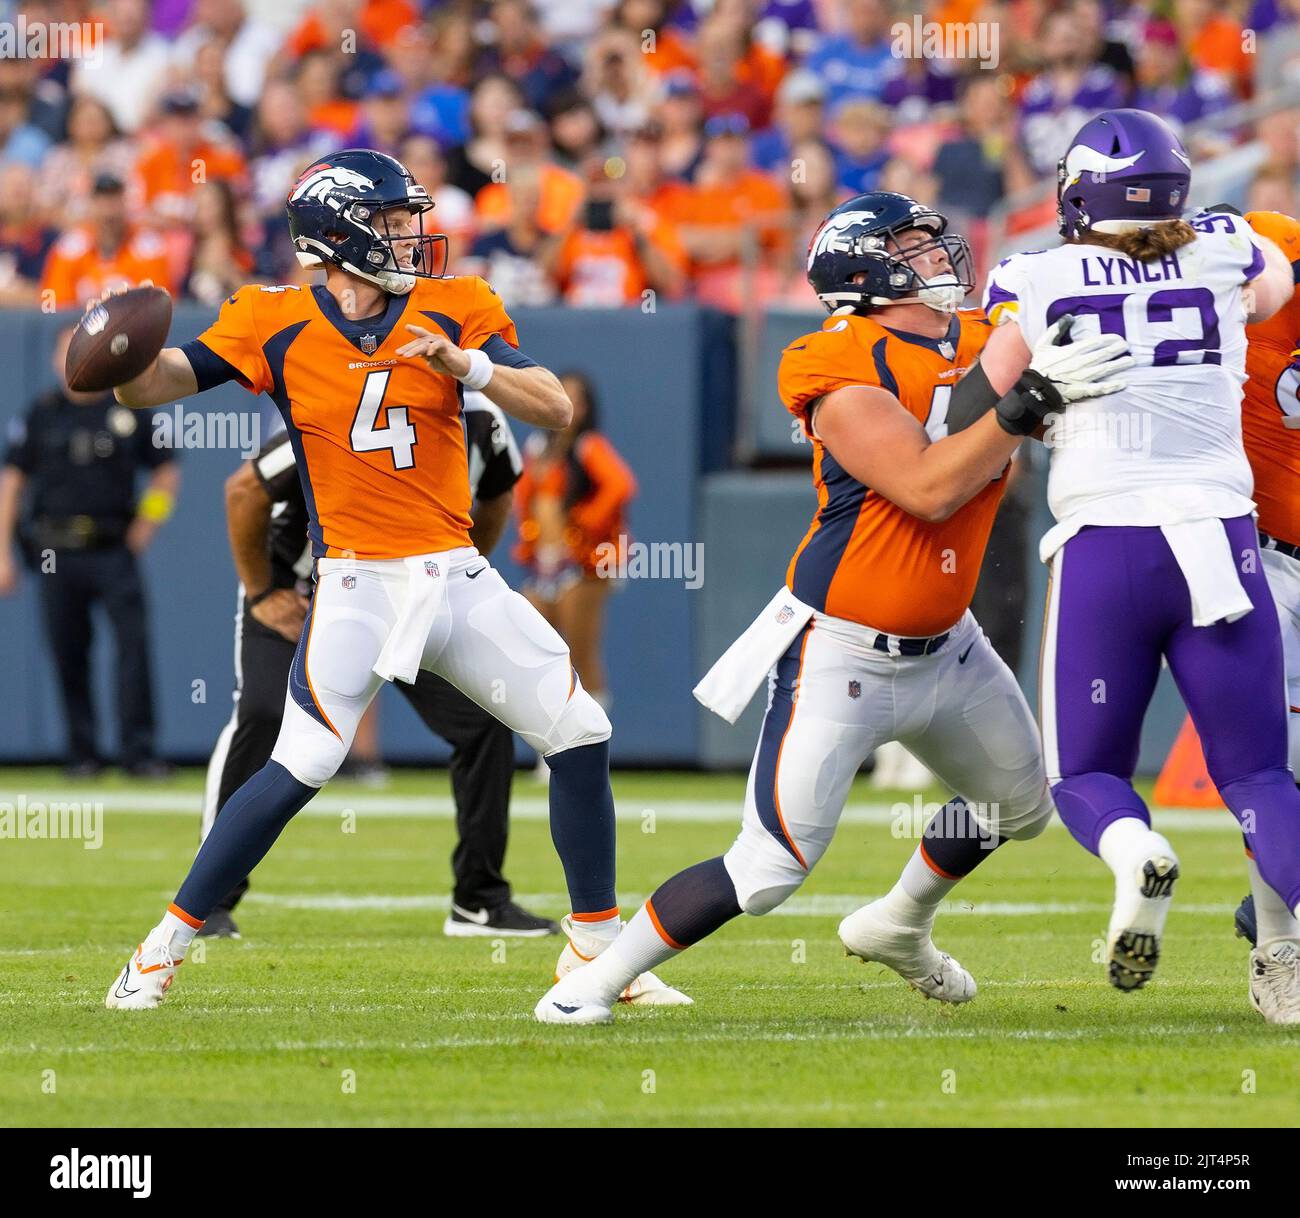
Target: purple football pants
<point x="1118" y="602"/>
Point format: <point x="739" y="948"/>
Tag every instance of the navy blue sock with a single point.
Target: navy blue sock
<point x="582" y="826"/>
<point x="695" y="902"/>
<point x="252" y="818"/>
<point x="955" y="843"/>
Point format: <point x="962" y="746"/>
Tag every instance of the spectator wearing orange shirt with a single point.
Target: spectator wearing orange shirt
<point x="1213" y="42"/>
<point x="182" y="154"/>
<point x="647" y="182"/>
<point x="571" y="504"/>
<point x="559" y="191"/>
<point x="663" y="48"/>
<point x="106" y="253"/>
<point x="319" y="81"/>
<point x="326" y="24"/>
<point x="730" y="204"/>
<point x="616" y="250"/>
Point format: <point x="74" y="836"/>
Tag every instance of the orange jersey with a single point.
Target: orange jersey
<point x="378" y="438"/>
<point x="166" y="177"/>
<point x="1270" y="409"/>
<point x="77" y="271"/>
<point x="596" y="517"/>
<point x="864" y="558"/>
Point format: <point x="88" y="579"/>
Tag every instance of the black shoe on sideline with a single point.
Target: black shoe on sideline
<point x="220" y="925"/>
<point x="507" y="919"/>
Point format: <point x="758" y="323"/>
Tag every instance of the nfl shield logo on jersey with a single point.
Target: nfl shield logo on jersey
<point x="855" y="689"/>
<point x="368" y="344"/>
<point x="946" y="349"/>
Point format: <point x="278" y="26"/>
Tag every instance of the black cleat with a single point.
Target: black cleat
<point x="506" y="919"/>
<point x="220" y="925"/>
<point x="1133" y="960"/>
<point x="1244" y="921"/>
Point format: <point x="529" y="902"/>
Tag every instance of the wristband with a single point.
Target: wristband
<point x="1028" y="402"/>
<point x="480" y="370"/>
<point x="155" y="506"/>
<point x="251" y="601"/>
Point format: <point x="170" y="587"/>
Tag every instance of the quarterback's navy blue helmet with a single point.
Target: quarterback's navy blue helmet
<point x="339" y="212"/>
<point x="855" y="259"/>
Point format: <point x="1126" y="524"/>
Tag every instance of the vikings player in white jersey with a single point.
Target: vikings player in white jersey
<point x="1155" y="552"/>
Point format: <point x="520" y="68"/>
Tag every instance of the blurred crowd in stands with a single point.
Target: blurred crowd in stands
<point x="580" y="151"/>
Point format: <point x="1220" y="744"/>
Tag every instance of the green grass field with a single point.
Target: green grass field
<point x="344" y="1004"/>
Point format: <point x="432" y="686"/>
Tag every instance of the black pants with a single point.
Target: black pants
<point x="482" y="760"/>
<point x="108" y="577"/>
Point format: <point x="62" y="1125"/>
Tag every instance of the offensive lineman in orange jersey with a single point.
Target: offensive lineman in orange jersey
<point x="367" y="370"/>
<point x="1270" y="431"/>
<point x="871" y="638"/>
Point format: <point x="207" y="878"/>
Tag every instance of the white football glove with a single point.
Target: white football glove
<point x="1087" y="368"/>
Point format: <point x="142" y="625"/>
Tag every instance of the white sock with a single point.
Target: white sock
<point x="606" y="928"/>
<point x="1124" y="843"/>
<point x="922" y="883"/>
<point x="1272" y="918"/>
<point x="639" y="947"/>
<point x="176" y="931"/>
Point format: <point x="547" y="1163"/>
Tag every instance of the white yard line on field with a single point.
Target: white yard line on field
<point x="821" y="905"/>
<point x="536" y="807"/>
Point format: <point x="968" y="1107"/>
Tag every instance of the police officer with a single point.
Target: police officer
<point x="266" y="516"/>
<point x="73" y="459"/>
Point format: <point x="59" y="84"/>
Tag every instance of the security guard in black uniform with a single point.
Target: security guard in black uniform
<point x="266" y="517"/>
<point x="74" y="459"/>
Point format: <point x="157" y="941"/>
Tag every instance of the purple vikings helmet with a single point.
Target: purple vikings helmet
<point x="1123" y="165"/>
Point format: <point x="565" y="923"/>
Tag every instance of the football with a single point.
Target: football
<point x="118" y="339"/>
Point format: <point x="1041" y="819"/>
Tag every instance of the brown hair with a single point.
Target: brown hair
<point x="1144" y="244"/>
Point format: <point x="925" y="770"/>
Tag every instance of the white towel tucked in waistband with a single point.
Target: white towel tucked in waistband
<point x="426" y="593"/>
<point x="728" y="686"/>
<point x="1204" y="554"/>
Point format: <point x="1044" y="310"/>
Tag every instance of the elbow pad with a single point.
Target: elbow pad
<point x="972" y="397"/>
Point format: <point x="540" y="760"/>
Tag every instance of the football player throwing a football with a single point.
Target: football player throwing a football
<point x="871" y="638"/>
<point x="368" y="370"/>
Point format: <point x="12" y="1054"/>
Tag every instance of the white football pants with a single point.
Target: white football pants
<point x="487" y="640"/>
<point x="1283" y="574"/>
<point x="832" y="699"/>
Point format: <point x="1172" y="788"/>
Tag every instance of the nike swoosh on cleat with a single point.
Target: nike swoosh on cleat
<point x="122" y="991"/>
<point x="559" y="1006"/>
<point x="481" y="917"/>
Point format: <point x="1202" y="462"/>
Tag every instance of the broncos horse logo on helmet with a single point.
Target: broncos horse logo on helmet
<point x="338" y="213"/>
<point x="1124" y="169"/>
<point x="860" y="239"/>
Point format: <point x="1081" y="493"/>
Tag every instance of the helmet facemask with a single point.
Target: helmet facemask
<point x="943" y="292"/>
<point x="366" y="225"/>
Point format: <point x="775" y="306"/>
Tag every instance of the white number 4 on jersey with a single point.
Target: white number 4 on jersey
<point x="398" y="437"/>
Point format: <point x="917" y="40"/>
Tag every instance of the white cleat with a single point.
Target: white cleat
<point x="1137" y="922"/>
<point x="1275" y="981"/>
<point x="147" y="976"/>
<point x="582" y="947"/>
<point x="565" y="1002"/>
<point x="872" y="935"/>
